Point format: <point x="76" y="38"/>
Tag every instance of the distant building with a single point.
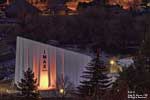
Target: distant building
<point x="40" y="4"/>
<point x="73" y="5"/>
<point x="126" y="4"/>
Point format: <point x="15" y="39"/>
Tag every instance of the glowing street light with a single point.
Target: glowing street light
<point x="61" y="91"/>
<point x="114" y="67"/>
<point x="112" y="62"/>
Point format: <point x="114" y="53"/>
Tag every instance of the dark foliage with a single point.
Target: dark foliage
<point x="95" y="80"/>
<point x="27" y="86"/>
<point x="112" y="29"/>
<point x="138" y="75"/>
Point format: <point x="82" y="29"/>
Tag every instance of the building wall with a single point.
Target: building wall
<point x="59" y="63"/>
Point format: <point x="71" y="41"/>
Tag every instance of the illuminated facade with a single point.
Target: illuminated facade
<point x="43" y="4"/>
<point x="126" y="4"/>
<point x="40" y="4"/>
<point x="73" y="5"/>
<point x="48" y="63"/>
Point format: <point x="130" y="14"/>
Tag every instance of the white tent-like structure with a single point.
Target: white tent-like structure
<point x="48" y="63"/>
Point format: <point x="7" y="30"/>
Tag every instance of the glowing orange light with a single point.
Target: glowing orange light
<point x="35" y="69"/>
<point x="72" y="5"/>
<point x="48" y="76"/>
<point x="126" y="4"/>
<point x="44" y="80"/>
<point x="44" y="77"/>
<point x="53" y="69"/>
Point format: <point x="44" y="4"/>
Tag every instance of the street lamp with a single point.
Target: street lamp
<point x="112" y="62"/>
<point x="61" y="91"/>
<point x="114" y="67"/>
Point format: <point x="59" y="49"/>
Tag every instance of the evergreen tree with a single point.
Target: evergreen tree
<point x="27" y="86"/>
<point x="138" y="75"/>
<point x="95" y="79"/>
<point x="142" y="64"/>
<point x="142" y="61"/>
